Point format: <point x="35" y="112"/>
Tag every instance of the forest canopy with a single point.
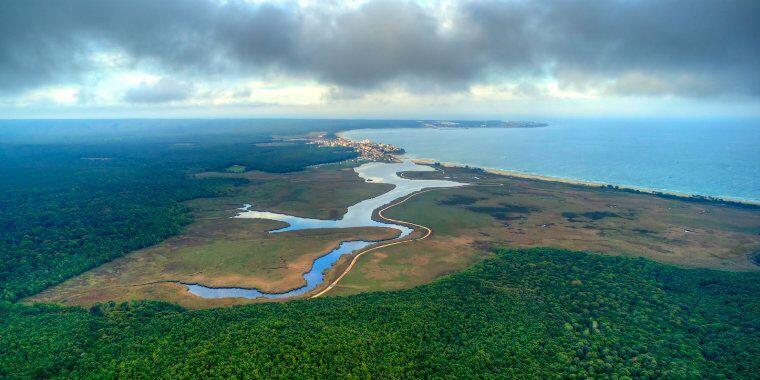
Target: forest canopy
<point x="71" y="206"/>
<point x="68" y="208"/>
<point x="535" y="313"/>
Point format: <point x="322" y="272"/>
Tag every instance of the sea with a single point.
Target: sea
<point x="716" y="158"/>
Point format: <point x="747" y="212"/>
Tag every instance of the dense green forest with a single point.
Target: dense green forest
<point x="228" y="130"/>
<point x="67" y="208"/>
<point x="535" y="313"/>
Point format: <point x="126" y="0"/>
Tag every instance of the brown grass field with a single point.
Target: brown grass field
<point x="497" y="211"/>
<point x="518" y="212"/>
<point x="219" y="251"/>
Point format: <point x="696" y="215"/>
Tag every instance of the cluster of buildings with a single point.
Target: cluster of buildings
<point x="367" y="150"/>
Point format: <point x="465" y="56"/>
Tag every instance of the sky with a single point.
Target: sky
<point x="379" y="59"/>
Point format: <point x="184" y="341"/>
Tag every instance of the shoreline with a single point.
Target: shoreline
<point x="570" y="181"/>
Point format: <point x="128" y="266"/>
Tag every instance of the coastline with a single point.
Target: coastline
<point x="569" y="181"/>
<point x="539" y="177"/>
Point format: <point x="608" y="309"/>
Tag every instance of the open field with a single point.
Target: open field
<point x="324" y="192"/>
<point x="518" y="212"/>
<point x="498" y="211"/>
<point x="219" y="251"/>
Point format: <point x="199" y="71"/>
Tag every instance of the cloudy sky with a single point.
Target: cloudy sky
<point x="379" y="59"/>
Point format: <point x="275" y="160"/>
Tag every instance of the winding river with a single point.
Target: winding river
<point x="358" y="215"/>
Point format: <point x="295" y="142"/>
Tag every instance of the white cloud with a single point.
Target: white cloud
<point x="163" y="90"/>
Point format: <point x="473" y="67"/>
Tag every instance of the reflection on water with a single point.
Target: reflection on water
<point x="358" y="215"/>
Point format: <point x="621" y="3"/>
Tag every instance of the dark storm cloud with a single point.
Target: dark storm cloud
<point x="50" y="41"/>
<point x="706" y="46"/>
<point x="383" y="41"/>
<point x="691" y="48"/>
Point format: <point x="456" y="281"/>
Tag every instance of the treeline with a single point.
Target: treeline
<point x="168" y="130"/>
<point x="693" y="198"/>
<point x="538" y="313"/>
<point x="65" y="209"/>
<point x="275" y="159"/>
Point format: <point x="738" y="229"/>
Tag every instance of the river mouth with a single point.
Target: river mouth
<point x="358" y="215"/>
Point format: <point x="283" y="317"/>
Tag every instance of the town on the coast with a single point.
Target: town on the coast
<point x="368" y="150"/>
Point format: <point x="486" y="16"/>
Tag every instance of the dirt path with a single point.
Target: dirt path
<point x="427" y="234"/>
<point x="427" y="230"/>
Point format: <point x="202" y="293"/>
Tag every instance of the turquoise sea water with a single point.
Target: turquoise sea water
<point x="712" y="158"/>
